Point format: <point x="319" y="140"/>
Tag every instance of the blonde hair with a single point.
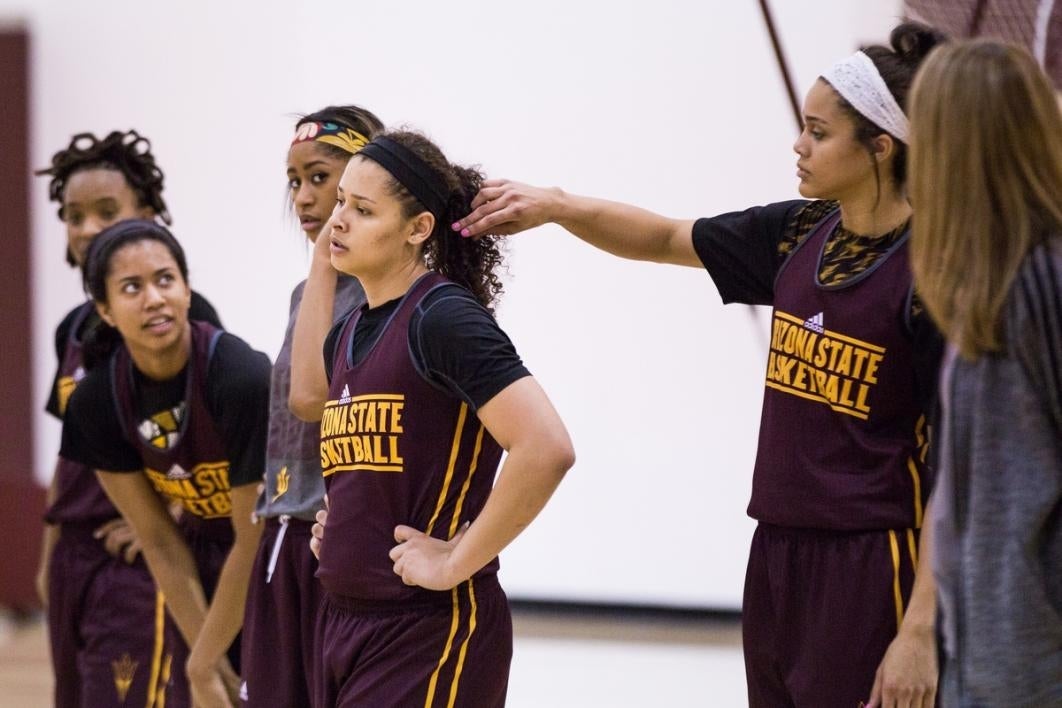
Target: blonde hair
<point x="985" y="183"/>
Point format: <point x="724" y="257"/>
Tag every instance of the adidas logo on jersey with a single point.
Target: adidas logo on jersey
<point x="178" y="472"/>
<point x="814" y="323"/>
<point x="345" y="396"/>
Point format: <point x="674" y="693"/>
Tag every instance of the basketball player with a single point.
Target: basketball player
<point x="425" y="392"/>
<point x="179" y="413"/>
<point x="284" y="596"/>
<point x="832" y="611"/>
<point x="105" y="651"/>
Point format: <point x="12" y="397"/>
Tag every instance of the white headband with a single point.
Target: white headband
<point x="858" y="81"/>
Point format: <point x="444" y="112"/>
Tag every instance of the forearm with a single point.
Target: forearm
<point x="624" y="230"/>
<point x="51" y="531"/>
<point x="922" y="608"/>
<point x="309" y="385"/>
<point x="224" y="618"/>
<point x="525" y="483"/>
<point x="175" y="572"/>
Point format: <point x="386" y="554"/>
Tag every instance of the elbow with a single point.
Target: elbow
<point x="561" y="456"/>
<point x="305" y="408"/>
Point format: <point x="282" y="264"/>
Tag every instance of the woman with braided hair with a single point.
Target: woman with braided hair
<point x="418" y="394"/>
<point x="104" y="614"/>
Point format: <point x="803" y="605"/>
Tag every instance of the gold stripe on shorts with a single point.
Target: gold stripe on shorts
<point x="464" y="645"/>
<point x="446" y="651"/>
<point x="897" y="594"/>
<point x="156" y="654"/>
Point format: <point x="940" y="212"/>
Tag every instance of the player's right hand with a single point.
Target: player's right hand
<point x="321" y="518"/>
<point x="503" y="207"/>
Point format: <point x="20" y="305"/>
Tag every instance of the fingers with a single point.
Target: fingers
<point x="402" y="569"/>
<point x="875" y="693"/>
<point x="106" y="528"/>
<point x="488" y="193"/>
<point x="132" y="551"/>
<point x="456" y="538"/>
<point x="404" y="533"/>
<point x="317" y="532"/>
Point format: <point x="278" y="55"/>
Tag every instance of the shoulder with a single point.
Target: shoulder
<point x="202" y="310"/>
<point x="93" y="393"/>
<point x="804" y="216"/>
<point x="1036" y="296"/>
<point x="450" y="311"/>
<point x="234" y="364"/>
<point x="62" y="332"/>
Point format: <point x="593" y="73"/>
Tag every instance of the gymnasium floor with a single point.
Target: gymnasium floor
<point x="561" y="660"/>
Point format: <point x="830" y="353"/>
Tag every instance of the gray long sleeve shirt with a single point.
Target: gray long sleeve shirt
<point x="997" y="544"/>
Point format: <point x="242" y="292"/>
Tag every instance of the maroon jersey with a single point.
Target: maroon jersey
<point x="79" y="497"/>
<point x="395" y="450"/>
<point x="842" y="437"/>
<point x="184" y="455"/>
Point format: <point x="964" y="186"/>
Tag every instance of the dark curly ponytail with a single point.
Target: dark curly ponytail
<point x="471" y="263"/>
<point x="128" y="153"/>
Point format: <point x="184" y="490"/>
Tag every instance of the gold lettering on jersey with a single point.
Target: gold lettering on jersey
<point x="283" y="478"/>
<point x="827" y="367"/>
<point x="363" y="433"/>
<point x="204" y="491"/>
<point x="124" y="668"/>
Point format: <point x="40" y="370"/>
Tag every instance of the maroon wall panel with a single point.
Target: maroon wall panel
<point x="21" y="498"/>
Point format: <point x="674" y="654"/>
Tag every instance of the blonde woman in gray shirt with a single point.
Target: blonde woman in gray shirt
<point x="986" y="176"/>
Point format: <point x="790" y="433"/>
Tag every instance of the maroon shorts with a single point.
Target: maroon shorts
<point x="454" y="655"/>
<point x="279" y="622"/>
<point x="820" y="609"/>
<point x="104" y="625"/>
<point x="210" y="555"/>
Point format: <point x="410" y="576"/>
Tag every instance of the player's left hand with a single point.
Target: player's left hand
<point x="208" y="685"/>
<point x="425" y="561"/>
<point x="907" y="676"/>
<point x="119" y="540"/>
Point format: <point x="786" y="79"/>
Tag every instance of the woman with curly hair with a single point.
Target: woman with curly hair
<point x="419" y="394"/>
<point x="105" y="651"/>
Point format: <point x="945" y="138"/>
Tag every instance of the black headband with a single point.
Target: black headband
<point x="426" y="185"/>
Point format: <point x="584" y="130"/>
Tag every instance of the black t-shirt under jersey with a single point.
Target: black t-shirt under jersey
<point x="454" y="340"/>
<point x="237" y="396"/>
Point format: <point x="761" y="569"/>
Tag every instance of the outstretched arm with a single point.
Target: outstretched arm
<point x="309" y="384"/>
<point x="524" y="422"/>
<point x="504" y="207"/>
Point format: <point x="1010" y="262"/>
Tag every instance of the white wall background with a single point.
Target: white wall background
<point x="676" y="106"/>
